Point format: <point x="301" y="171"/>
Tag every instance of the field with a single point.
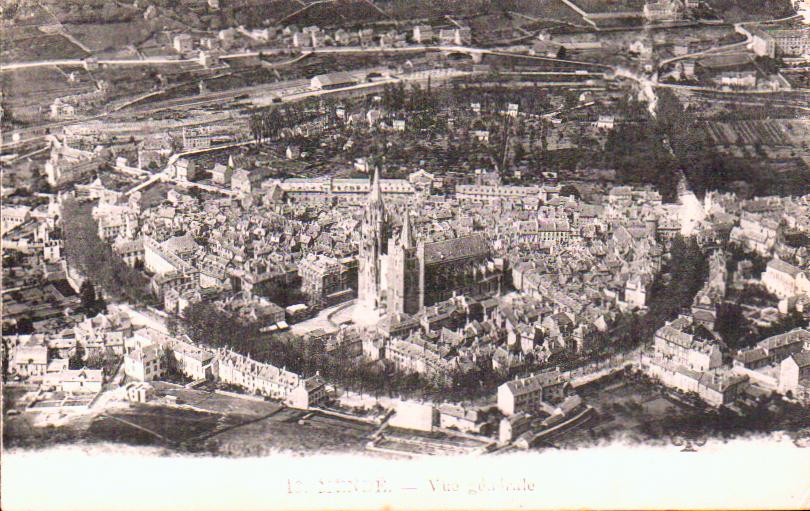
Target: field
<point x="544" y="9"/>
<point x="341" y="13"/>
<point x="497" y="28"/>
<point x="109" y="36"/>
<point x="422" y="9"/>
<point x="747" y="10"/>
<point x="216" y="424"/>
<point x="610" y="6"/>
<point x="40" y="47"/>
<point x="769" y="133"/>
<point x="283" y="432"/>
<point x="39" y="86"/>
<point x="155" y="425"/>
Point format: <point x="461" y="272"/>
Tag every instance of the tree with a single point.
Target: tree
<point x="90" y="302"/>
<point x="570" y="191"/>
<point x="95" y="259"/>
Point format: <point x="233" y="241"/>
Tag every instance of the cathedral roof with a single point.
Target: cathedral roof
<point x="407" y="232"/>
<point x="458" y="248"/>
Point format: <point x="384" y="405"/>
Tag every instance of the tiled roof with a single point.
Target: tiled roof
<point x="782" y="266"/>
<point x="534" y="383"/>
<point x="802" y="358"/>
<point x="454" y="249"/>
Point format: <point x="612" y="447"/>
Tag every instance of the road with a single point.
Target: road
<point x="329" y="50"/>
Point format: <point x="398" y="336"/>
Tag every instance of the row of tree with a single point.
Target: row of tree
<point x="96" y="260"/>
<point x="209" y="325"/>
<point x="671" y="292"/>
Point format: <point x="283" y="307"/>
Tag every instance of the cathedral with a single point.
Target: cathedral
<point x="397" y="274"/>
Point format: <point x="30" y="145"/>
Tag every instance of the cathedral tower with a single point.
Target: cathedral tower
<point x="373" y="236"/>
<point x="403" y="272"/>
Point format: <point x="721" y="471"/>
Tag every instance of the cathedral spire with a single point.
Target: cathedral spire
<point x="376" y="191"/>
<point x="407" y="233"/>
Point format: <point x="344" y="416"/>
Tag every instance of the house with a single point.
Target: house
<point x="773" y="349"/>
<point x="310" y="392"/>
<point x="139" y="392"/>
<point x="737" y="79"/>
<point x="221" y="174"/>
<point x="322" y="277"/>
<point x="686" y="344"/>
<point x="183" y="43"/>
<point x="547" y="49"/>
<point x="365" y="36"/>
<point x="145" y="364"/>
<point x="605" y="122"/>
<point x="513" y="426"/>
<point x="373" y="117"/>
<point x="527" y="394"/>
<point x="245" y="182"/>
<point x="423" y="34"/>
<point x="103" y="331"/>
<point x="11" y="216"/>
<point x="413" y="415"/>
<point x="635" y="290"/>
<point x="30" y="360"/>
<point x="227" y="36"/>
<point x="455" y="36"/>
<point x="75" y="381"/>
<point x="422" y="179"/>
<point x="193" y="362"/>
<point x="794" y="371"/>
<point x="715" y="387"/>
<point x="301" y="39"/>
<point x="333" y="81"/>
<point x="184" y="170"/>
<point x="460" y="418"/>
<point x="663" y="10"/>
<point x="398" y="125"/>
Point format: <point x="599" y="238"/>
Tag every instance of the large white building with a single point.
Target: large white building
<point x="785" y="280"/>
<point x="145" y="364"/>
<point x="12" y="216"/>
<point x="495" y="193"/>
<point x="794" y="372"/>
<point x="527" y="394"/>
<point x="678" y="343"/>
<point x="357" y="190"/>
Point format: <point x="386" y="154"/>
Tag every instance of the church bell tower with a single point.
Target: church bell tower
<point x="373" y="237"/>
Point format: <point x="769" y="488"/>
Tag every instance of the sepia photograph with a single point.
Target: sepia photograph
<point x="405" y="254"/>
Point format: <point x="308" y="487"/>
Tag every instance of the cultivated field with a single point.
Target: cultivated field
<point x="610" y="6"/>
<point x="108" y="36"/>
<point x="770" y="133"/>
<point x="342" y="13"/>
<point x="747" y="10"/>
<point x="543" y="9"/>
<point x="40" y="47"/>
<point x="37" y="87"/>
